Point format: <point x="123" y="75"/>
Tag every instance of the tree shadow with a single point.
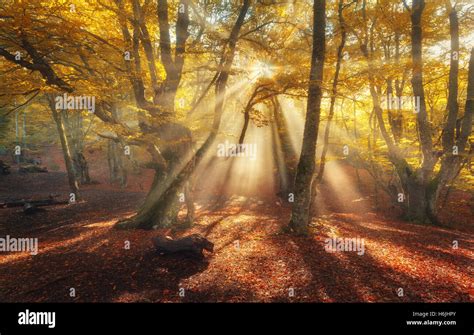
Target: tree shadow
<point x="143" y="277"/>
<point x="426" y="240"/>
<point x="349" y="277"/>
<point x="95" y="205"/>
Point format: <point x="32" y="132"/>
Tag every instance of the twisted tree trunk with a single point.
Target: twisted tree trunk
<point x="161" y="205"/>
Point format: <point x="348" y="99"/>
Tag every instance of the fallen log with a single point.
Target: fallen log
<point x="193" y="244"/>
<point x="29" y="209"/>
<point x="31" y="168"/>
<point x="36" y="203"/>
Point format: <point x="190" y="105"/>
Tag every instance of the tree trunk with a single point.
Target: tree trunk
<point x="451" y="163"/>
<point x="117" y="171"/>
<point x="448" y="131"/>
<point x="71" y="173"/>
<point x="399" y="86"/>
<point x="413" y="181"/>
<point x="115" y="155"/>
<point x="424" y="128"/>
<point x="245" y="126"/>
<point x="157" y="212"/>
<point x="421" y="191"/>
<point x="300" y="215"/>
<point x="322" y="163"/>
<point x="75" y="132"/>
<point x="81" y="167"/>
<point x="161" y="205"/>
<point x="392" y="117"/>
<point x="289" y="158"/>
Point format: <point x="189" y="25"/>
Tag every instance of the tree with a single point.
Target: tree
<point x="300" y="215"/>
<point x="157" y="118"/>
<point x="420" y="185"/>
<point x="327" y="129"/>
<point x="71" y="172"/>
<point x="161" y="198"/>
<point x="154" y="54"/>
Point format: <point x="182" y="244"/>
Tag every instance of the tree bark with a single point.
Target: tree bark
<point x="160" y="207"/>
<point x="448" y="131"/>
<point x="412" y="181"/>
<point x="340" y="48"/>
<point x="420" y="189"/>
<point x="71" y="173"/>
<point x="300" y="215"/>
<point x="81" y="167"/>
<point x="73" y="123"/>
<point x="194" y="244"/>
<point x="117" y="171"/>
<point x="451" y="163"/>
<point x="424" y="128"/>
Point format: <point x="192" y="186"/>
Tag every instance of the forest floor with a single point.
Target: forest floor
<point x="252" y="259"/>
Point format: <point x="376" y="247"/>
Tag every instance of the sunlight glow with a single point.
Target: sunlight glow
<point x="261" y="70"/>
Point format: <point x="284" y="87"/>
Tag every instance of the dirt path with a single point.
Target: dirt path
<point x="252" y="261"/>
